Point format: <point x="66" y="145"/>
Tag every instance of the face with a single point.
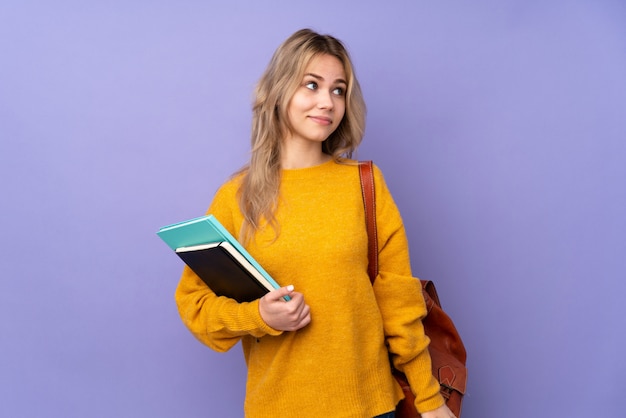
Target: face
<point x="318" y="105"/>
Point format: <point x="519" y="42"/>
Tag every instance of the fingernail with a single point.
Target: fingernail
<point x="290" y="288"/>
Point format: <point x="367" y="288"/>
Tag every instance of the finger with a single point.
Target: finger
<point x="302" y="313"/>
<point x="296" y="310"/>
<point x="306" y="311"/>
<point x="305" y="319"/>
<point x="300" y="323"/>
<point x="295" y="307"/>
<point x="297" y="299"/>
<point x="278" y="294"/>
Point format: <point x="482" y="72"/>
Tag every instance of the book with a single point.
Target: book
<point x="225" y="271"/>
<point x="202" y="230"/>
<point x="196" y="240"/>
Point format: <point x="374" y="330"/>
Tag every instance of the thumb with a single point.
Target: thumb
<point x="280" y="293"/>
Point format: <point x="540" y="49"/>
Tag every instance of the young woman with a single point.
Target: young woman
<point x="297" y="208"/>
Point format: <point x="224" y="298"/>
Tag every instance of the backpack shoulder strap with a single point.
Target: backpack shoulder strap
<point x="366" y="175"/>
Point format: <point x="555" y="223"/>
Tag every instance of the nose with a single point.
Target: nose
<point x="325" y="100"/>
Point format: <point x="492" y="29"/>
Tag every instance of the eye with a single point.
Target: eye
<point x="311" y="85"/>
<point x="339" y="91"/>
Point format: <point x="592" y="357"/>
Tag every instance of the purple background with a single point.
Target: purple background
<point x="500" y="127"/>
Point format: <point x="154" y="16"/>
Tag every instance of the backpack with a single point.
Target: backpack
<point x="446" y="348"/>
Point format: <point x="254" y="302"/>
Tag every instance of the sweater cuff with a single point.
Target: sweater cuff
<point x="260" y="328"/>
<point x="427" y="387"/>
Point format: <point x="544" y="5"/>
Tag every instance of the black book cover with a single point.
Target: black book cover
<point x="223" y="273"/>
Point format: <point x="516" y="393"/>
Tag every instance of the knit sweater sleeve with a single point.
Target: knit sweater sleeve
<point x="218" y="321"/>
<point x="401" y="302"/>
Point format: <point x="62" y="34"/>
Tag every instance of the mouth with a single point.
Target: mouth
<point x="322" y="120"/>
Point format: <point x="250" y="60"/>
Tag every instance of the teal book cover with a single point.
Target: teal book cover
<point x="195" y="231"/>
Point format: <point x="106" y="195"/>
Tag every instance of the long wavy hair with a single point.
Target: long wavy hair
<point x="259" y="190"/>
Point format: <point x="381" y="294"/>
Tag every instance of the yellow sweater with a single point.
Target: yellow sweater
<point x="337" y="366"/>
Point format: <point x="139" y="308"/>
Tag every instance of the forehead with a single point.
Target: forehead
<point x="327" y="67"/>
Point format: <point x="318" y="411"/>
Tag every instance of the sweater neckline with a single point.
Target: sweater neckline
<point x="314" y="170"/>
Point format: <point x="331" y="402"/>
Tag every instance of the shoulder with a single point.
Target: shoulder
<point x="226" y="194"/>
<point x="233" y="183"/>
<point x="384" y="199"/>
<point x="378" y="174"/>
<point x="379" y="178"/>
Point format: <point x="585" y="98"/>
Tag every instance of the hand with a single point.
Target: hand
<point x="284" y="315"/>
<point x="442" y="412"/>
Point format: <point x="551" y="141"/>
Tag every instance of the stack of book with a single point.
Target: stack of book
<point x="218" y="258"/>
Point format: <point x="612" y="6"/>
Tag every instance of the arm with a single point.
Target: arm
<point x="217" y="321"/>
<point x="402" y="305"/>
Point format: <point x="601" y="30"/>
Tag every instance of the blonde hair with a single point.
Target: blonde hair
<point x="258" y="193"/>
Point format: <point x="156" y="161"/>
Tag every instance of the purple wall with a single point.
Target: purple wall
<point x="500" y="127"/>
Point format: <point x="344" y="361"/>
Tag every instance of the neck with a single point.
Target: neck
<point x="294" y="156"/>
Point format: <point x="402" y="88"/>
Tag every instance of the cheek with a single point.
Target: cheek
<point x="292" y="110"/>
<point x="340" y="111"/>
<point x="298" y="103"/>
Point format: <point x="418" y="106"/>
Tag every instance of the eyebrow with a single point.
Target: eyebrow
<point x="319" y="77"/>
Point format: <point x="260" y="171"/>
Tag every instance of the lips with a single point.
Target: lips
<point x="322" y="120"/>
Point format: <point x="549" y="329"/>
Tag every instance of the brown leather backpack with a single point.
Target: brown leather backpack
<point x="446" y="348"/>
